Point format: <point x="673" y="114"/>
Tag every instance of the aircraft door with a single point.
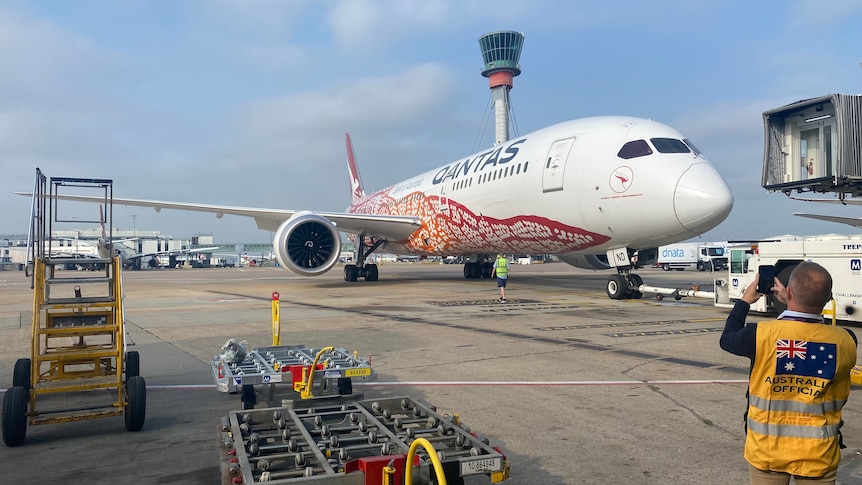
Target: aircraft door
<point x="443" y="208"/>
<point x="555" y="165"/>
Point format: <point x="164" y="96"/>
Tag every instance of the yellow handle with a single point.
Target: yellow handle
<point x="304" y="388"/>
<point x="435" y="460"/>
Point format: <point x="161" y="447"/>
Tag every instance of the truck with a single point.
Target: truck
<point x="841" y="255"/>
<point x="703" y="256"/>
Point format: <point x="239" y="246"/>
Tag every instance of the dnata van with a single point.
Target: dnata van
<point x="703" y="256"/>
<point x="840" y="255"/>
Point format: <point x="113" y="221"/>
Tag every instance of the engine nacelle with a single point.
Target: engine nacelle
<point x="586" y="261"/>
<point x="307" y="244"/>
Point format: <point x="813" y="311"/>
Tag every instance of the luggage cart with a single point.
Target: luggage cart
<point x="354" y="442"/>
<point x="78" y="334"/>
<point x="333" y="375"/>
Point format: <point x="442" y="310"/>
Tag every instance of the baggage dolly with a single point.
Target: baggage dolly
<point x="78" y="334"/>
<point x="238" y="370"/>
<point x="343" y="441"/>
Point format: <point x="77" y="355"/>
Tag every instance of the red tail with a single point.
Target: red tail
<point x="356" y="190"/>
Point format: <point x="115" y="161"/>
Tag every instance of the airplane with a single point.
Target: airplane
<point x="591" y="191"/>
<point x="105" y="248"/>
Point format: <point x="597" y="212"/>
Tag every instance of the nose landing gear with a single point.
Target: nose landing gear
<point x="624" y="285"/>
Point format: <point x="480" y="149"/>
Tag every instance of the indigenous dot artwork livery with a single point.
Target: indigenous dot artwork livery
<point x="450" y="228"/>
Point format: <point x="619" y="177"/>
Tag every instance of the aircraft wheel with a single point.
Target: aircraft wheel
<point x="477" y="270"/>
<point x="469" y="270"/>
<point x="371" y="272"/>
<point x="487" y="266"/>
<point x="636" y="281"/>
<point x="21" y="375"/>
<point x="15" y="415"/>
<point x="133" y="364"/>
<point x="136" y="407"/>
<point x="351" y="272"/>
<point x="617" y="287"/>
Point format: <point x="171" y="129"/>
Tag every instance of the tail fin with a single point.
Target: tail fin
<point x="356" y="190"/>
<point x="102" y="222"/>
<point x="103" y="246"/>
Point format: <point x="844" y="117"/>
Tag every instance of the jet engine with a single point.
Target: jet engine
<point x="586" y="261"/>
<point x="307" y="244"/>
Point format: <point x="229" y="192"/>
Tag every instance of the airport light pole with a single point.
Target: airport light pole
<point x="135" y="225"/>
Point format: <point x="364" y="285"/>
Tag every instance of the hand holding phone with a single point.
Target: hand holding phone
<point x="766" y="280"/>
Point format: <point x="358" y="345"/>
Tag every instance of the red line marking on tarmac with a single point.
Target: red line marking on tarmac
<point x="552" y="383"/>
<point x="208" y="387"/>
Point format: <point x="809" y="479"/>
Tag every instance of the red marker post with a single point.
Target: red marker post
<point x="276" y="319"/>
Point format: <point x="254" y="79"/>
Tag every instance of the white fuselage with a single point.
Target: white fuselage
<point x="563" y="189"/>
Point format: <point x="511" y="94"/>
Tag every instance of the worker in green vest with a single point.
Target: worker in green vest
<point x="501" y="270"/>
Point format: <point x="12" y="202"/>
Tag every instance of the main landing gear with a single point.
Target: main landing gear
<point x="365" y="245"/>
<point x="479" y="268"/>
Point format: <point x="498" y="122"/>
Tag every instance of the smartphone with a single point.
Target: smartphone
<point x="766" y="280"/>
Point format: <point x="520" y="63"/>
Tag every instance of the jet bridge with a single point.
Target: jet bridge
<point x="814" y="145"/>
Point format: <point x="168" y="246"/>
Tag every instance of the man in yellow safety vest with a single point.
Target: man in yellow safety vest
<point x="501" y="270"/>
<point x="799" y="381"/>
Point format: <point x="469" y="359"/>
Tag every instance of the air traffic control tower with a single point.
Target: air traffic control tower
<point x="501" y="51"/>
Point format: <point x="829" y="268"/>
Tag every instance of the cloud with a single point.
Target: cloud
<point x="43" y="63"/>
<point x="385" y="100"/>
<point x="252" y="19"/>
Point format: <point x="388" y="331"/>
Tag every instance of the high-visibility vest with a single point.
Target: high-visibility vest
<point x="502" y="269"/>
<point x="799" y="382"/>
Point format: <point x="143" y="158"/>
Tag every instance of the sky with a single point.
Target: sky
<point x="246" y="102"/>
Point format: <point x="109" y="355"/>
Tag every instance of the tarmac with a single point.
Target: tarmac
<point x="575" y="388"/>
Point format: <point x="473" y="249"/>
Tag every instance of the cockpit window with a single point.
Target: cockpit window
<point x="693" y="148"/>
<point x="634" y="149"/>
<point x="669" y="145"/>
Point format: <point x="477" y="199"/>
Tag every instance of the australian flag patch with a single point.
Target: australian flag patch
<point x="803" y="358"/>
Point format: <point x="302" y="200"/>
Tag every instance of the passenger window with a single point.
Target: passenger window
<point x="634" y="149"/>
<point x="669" y="145"/>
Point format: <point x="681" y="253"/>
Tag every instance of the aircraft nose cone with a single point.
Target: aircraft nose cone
<point x="702" y="199"/>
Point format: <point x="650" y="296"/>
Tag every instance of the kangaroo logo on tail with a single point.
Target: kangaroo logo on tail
<point x="356" y="190"/>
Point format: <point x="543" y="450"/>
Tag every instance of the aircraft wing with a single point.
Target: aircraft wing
<point x="393" y="228"/>
<point x="198" y="250"/>
<point x="855" y="222"/>
<point x="831" y="201"/>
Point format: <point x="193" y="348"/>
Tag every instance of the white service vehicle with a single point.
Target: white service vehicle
<point x="840" y="255"/>
<point x="703" y="256"/>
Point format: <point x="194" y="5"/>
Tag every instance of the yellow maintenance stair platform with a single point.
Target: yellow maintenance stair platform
<point x="78" y="367"/>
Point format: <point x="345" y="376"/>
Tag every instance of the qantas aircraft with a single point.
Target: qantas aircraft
<point x="590" y="191"/>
